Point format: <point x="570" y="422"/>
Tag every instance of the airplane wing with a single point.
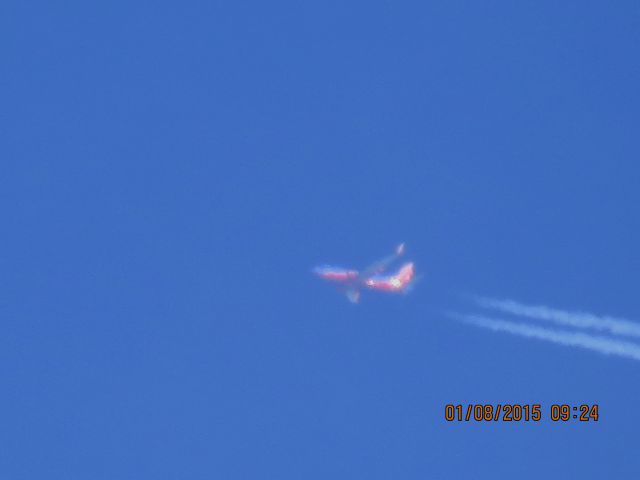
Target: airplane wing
<point x="382" y="264"/>
<point x="353" y="295"/>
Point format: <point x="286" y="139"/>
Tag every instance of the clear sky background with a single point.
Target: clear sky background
<point x="171" y="171"/>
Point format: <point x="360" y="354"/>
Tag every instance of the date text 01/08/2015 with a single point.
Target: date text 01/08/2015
<point x="519" y="412"/>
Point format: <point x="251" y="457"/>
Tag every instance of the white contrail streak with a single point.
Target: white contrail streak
<point x="617" y="326"/>
<point x="595" y="343"/>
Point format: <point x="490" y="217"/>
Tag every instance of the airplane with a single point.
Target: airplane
<point x="371" y="277"/>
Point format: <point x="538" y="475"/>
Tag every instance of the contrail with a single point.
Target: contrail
<point x="595" y="343"/>
<point x="617" y="326"/>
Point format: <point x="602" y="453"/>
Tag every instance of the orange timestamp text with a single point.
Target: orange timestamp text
<point x="516" y="412"/>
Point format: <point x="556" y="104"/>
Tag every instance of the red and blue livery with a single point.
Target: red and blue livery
<point x="371" y="277"/>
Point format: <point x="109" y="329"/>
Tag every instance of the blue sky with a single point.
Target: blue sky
<point x="171" y="171"/>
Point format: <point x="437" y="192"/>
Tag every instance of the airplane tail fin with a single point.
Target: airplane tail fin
<point x="405" y="274"/>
